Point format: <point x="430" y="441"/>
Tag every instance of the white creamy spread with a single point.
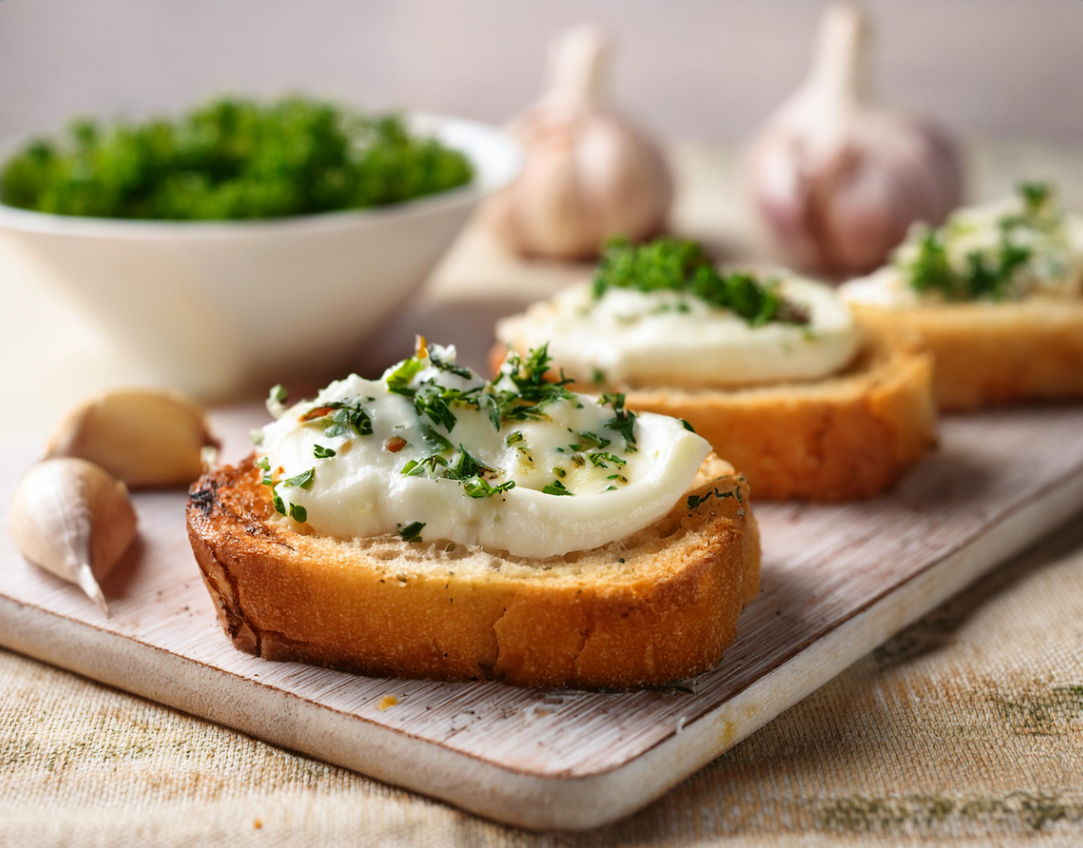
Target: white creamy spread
<point x="1028" y="250"/>
<point x="540" y="480"/>
<point x="633" y="337"/>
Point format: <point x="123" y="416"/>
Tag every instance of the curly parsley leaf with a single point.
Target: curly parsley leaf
<point x="681" y="266"/>
<point x="231" y="158"/>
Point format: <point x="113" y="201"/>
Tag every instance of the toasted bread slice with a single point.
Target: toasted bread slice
<point x="846" y="437"/>
<point x="989" y="354"/>
<point x="657" y="606"/>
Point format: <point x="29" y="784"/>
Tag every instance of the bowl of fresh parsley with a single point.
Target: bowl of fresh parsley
<point x="246" y="237"/>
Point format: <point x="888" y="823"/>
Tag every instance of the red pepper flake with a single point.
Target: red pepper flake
<point x="395" y="444"/>
<point x="317" y="412"/>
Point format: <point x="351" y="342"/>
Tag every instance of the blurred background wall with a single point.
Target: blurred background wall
<point x="699" y="68"/>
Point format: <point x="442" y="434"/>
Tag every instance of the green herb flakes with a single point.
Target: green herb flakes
<point x="555" y="488"/>
<point x="231" y="159"/>
<point x="411" y="532"/>
<point x="681" y="266"/>
<point x="302" y="480"/>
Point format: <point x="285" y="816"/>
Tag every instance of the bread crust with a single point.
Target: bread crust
<point x="992" y="354"/>
<point x="847" y="437"/>
<point x="656" y="607"/>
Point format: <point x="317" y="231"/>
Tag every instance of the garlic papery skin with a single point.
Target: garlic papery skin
<point x="143" y="437"/>
<point x="74" y="520"/>
<point x="837" y="181"/>
<point x="588" y="173"/>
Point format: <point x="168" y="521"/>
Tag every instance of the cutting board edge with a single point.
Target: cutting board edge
<point x="536" y="801"/>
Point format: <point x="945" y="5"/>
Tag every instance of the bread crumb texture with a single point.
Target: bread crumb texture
<point x="657" y="606"/>
<point x="992" y="354"/>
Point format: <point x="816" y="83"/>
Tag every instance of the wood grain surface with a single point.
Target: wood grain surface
<point x="836" y="581"/>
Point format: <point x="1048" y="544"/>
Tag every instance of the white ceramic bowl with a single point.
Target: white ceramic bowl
<point x="213" y="307"/>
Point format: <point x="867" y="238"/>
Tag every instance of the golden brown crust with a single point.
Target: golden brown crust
<point x="990" y="354"/>
<point x="653" y="608"/>
<point x="847" y="437"/>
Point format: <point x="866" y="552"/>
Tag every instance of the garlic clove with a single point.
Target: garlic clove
<point x="144" y="437"/>
<point x="838" y="182"/>
<point x="74" y="520"/>
<point x="588" y="174"/>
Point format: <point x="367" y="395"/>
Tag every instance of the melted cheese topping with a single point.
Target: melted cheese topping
<point x="669" y="338"/>
<point x="576" y="443"/>
<point x="1054" y="268"/>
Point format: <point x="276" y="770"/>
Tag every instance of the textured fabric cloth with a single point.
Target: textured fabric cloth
<point x="966" y="727"/>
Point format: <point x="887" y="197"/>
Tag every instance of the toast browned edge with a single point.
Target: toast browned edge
<point x="667" y="609"/>
<point x="846" y="437"/>
<point x="991" y="354"/>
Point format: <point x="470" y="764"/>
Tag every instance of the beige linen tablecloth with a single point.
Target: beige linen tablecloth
<point x="966" y="728"/>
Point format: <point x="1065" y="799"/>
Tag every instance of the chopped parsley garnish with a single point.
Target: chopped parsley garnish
<point x="231" y="158"/>
<point x="302" y="480"/>
<point x="1036" y="196"/>
<point x="429" y="401"/>
<point x="398" y="381"/>
<point x="675" y="265"/>
<point x="298" y="513"/>
<point x="344" y="418"/>
<point x="624" y="421"/>
<point x="695" y="500"/>
<point x="280" y="505"/>
<point x="533" y="392"/>
<point x="264" y="464"/>
<point x="278" y="394"/>
<point x="522" y="392"/>
<point x="589" y="440"/>
<point x="451" y="367"/>
<point x="411" y="532"/>
<point x="467" y="467"/>
<point x="349" y="418"/>
<point x="687" y="426"/>
<point x="433" y="439"/>
<point x="255" y="436"/>
<point x="992" y="271"/>
<point x="426" y="466"/>
<point x="597" y="377"/>
<point x="479" y="487"/>
<point x="601" y="460"/>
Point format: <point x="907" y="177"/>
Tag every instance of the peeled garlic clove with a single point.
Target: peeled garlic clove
<point x="838" y="182"/>
<point x="144" y="437"/>
<point x="588" y="173"/>
<point x="71" y="518"/>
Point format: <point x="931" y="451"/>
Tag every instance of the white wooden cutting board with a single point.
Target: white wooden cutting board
<point x="837" y="580"/>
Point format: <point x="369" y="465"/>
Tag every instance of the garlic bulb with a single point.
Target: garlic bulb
<point x="588" y="174"/>
<point x="71" y="518"/>
<point x="837" y="181"/>
<point x="144" y="437"/>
